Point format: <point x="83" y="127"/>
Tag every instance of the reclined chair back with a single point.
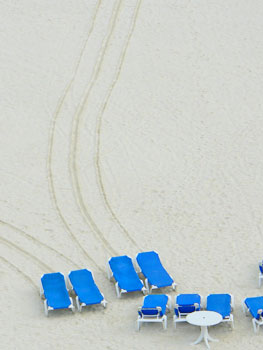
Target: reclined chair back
<point x="187" y="303"/>
<point x="150" y="312"/>
<point x="220" y="303"/>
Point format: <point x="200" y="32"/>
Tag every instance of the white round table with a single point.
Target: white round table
<point x="204" y="319"/>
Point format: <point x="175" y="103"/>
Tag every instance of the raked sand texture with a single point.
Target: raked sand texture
<point x="129" y="126"/>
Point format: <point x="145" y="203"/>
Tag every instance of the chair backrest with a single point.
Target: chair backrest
<point x="187" y="303"/>
<point x="51" y="281"/>
<point x="81" y="278"/>
<point x="220" y="303"/>
<point x="122" y="266"/>
<point x="186" y="309"/>
<point x="260" y="265"/>
<point x="124" y="273"/>
<point x="150" y="312"/>
<point x="255" y="305"/>
<point x="149" y="261"/>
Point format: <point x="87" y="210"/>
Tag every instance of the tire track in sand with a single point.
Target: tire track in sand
<point x="75" y="130"/>
<point x="25" y="276"/>
<point x="35" y="240"/>
<point x="99" y="125"/>
<point x="23" y="251"/>
<point x="52" y="189"/>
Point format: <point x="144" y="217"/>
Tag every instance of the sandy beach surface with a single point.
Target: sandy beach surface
<point x="129" y="126"/>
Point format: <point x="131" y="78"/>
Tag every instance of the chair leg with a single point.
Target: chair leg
<point x="245" y="310"/>
<point x="164" y="322"/>
<point x="78" y="304"/>
<point x="147" y="286"/>
<point x="117" y="290"/>
<point x="46" y="308"/>
<point x="138" y="325"/>
<point x="255" y="326"/>
<point x="72" y="307"/>
<point x="104" y="303"/>
<point x="174" y="321"/>
<point x="231" y="322"/>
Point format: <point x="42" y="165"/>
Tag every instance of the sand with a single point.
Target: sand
<point x="129" y="126"/>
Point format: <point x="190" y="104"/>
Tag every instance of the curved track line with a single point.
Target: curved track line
<point x="51" y="145"/>
<point x="27" y="278"/>
<point x="98" y="151"/>
<point x="75" y="130"/>
<point x="33" y="239"/>
<point x="7" y="242"/>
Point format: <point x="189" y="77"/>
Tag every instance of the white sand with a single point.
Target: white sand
<point x="128" y="126"/>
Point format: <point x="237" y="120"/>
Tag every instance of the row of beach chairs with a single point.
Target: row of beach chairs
<point x="125" y="272"/>
<point x="55" y="290"/>
<point x="155" y="306"/>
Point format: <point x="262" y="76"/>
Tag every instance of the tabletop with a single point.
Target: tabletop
<point x="204" y="318"/>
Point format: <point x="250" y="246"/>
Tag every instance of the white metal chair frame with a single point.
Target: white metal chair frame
<point x="153" y="318"/>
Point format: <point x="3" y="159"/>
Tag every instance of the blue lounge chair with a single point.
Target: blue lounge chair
<point x="155" y="274"/>
<point x="260" y="276"/>
<point x="222" y="304"/>
<point x="255" y="307"/>
<point x="153" y="309"/>
<point x="87" y="292"/>
<point x="127" y="280"/>
<point x="184" y="305"/>
<point x="53" y="289"/>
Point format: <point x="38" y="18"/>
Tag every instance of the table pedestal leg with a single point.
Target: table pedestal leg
<point x="204" y="336"/>
<point x="201" y="336"/>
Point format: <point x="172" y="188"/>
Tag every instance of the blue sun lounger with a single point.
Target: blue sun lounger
<point x="53" y="289"/>
<point x="223" y="304"/>
<point x="127" y="280"/>
<point x="184" y="305"/>
<point x="154" y="309"/>
<point x="255" y="307"/>
<point x="87" y="292"/>
<point x="155" y="274"/>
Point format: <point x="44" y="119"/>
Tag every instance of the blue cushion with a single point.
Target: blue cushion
<point x="124" y="273"/>
<point x="85" y="287"/>
<point x="254" y="304"/>
<point x="186" y="303"/>
<point x="260" y="268"/>
<point x="55" y="290"/>
<point x="153" y="269"/>
<point x="152" y="301"/>
<point x="220" y="303"/>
